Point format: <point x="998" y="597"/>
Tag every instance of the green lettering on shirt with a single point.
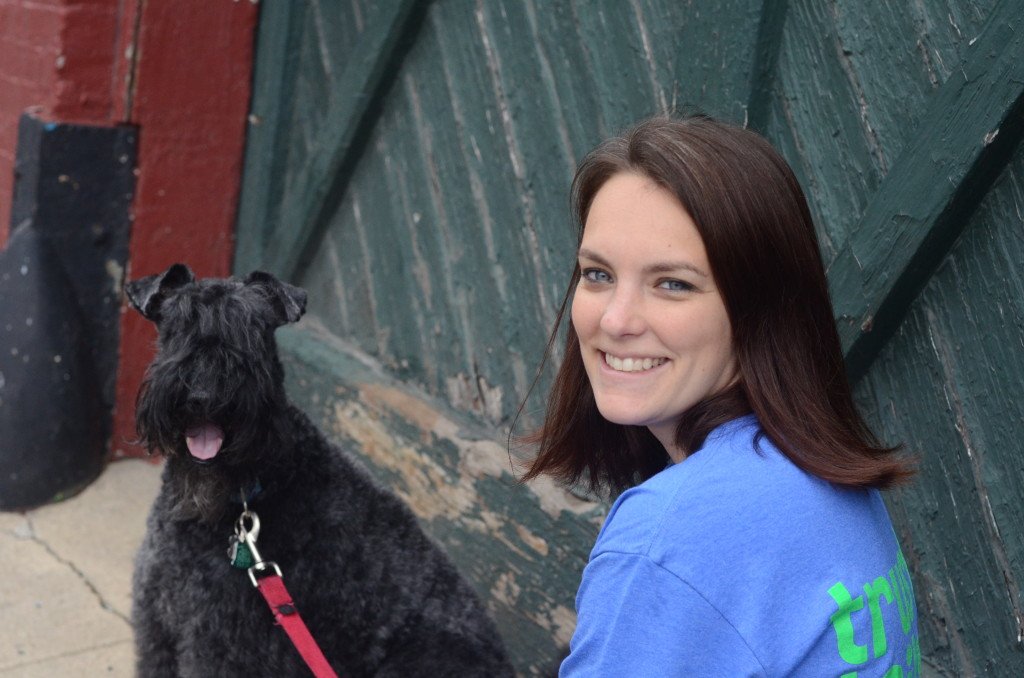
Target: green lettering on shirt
<point x="849" y="650"/>
<point x="874" y="592"/>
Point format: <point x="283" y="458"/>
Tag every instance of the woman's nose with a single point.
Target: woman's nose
<point x="624" y="314"/>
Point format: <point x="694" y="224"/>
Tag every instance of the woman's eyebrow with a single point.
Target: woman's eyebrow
<point x="658" y="267"/>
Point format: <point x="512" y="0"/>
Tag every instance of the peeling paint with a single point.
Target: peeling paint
<point x="518" y="162"/>
<point x="477" y="458"/>
<point x="548" y="79"/>
<point x="954" y="401"/>
<point x="475" y="395"/>
<point x="560" y="619"/>
<point x="381" y="332"/>
<point x="536" y="543"/>
<point x="401" y="403"/>
<point x="874" y="144"/>
<point x="116" y="273"/>
<point x="506" y="589"/>
<point x="421" y="477"/>
<point x="649" y="59"/>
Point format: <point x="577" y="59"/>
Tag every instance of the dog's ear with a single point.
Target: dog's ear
<point x="288" y="300"/>
<point x="146" y="294"/>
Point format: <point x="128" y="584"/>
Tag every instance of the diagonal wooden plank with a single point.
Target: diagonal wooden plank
<point x="354" y="103"/>
<point x="972" y="125"/>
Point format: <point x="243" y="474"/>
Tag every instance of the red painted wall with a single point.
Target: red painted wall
<point x="56" y="57"/>
<point x="29" y="46"/>
<point x="179" y="70"/>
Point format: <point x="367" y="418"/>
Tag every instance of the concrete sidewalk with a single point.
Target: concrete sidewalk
<point x="65" y="578"/>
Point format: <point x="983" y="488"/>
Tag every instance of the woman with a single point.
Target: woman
<point x="704" y="380"/>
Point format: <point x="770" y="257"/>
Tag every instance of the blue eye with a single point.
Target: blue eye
<point x="595" y="275"/>
<point x="675" y="285"/>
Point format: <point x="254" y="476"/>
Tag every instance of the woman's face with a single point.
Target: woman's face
<point x="654" y="334"/>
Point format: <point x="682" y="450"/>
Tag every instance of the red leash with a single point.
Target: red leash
<point x="276" y="595"/>
<point x="243" y="555"/>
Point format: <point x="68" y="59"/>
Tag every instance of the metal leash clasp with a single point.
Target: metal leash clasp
<point x="247" y="530"/>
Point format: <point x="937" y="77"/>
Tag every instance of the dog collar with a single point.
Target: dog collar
<point x="246" y="496"/>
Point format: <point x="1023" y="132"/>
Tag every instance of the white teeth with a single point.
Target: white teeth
<point x="632" y="364"/>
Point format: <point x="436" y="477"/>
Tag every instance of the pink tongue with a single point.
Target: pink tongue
<point x="204" y="441"/>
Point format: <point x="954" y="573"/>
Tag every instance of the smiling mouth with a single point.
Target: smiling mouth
<point x="632" y="364"/>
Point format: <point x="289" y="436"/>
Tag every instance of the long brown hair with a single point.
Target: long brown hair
<point x="763" y="251"/>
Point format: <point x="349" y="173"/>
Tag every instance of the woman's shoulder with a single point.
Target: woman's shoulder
<point x="764" y="546"/>
<point x="738" y="490"/>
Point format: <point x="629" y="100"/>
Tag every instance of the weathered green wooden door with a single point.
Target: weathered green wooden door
<point x="409" y="163"/>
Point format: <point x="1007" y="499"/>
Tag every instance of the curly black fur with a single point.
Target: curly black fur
<point x="379" y="597"/>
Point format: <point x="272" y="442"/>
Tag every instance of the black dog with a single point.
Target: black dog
<point x="377" y="595"/>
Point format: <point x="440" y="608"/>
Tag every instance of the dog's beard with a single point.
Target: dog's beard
<point x="253" y="448"/>
<point x="205" y="491"/>
<point x="198" y="492"/>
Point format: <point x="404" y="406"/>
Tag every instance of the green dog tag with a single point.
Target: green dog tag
<point x="241" y="555"/>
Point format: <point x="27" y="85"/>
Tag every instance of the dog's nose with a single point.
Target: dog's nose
<point x="198" y="398"/>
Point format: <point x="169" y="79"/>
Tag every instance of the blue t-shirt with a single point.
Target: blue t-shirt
<point x="735" y="562"/>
